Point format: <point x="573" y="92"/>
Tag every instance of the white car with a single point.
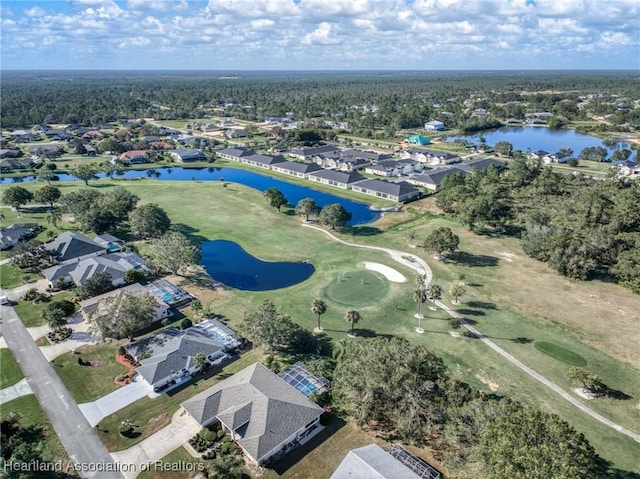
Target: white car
<point x="4" y="299"/>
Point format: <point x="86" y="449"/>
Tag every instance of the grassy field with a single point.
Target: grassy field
<point x="88" y="383"/>
<point x="10" y="372"/>
<point x="512" y="298"/>
<point x="11" y="276"/>
<point x="31" y="314"/>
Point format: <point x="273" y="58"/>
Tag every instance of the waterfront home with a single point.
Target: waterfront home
<point x="401" y="191"/>
<point x="340" y="179"/>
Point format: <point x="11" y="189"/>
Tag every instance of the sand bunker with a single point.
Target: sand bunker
<point x="389" y="273"/>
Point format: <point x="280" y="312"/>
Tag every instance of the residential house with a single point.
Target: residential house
<point x="235" y="154"/>
<point x="295" y="168"/>
<point x="263" y="414"/>
<point x="16" y="164"/>
<point x="394" y="168"/>
<point x="308" y="152"/>
<point x="432" y="179"/>
<point x="188" y="156"/>
<point x="418" y="140"/>
<point x="262" y="161"/>
<point x="93" y="308"/>
<point x="538" y="154"/>
<point x="78" y="271"/>
<point x="430" y="156"/>
<point x="12" y="234"/>
<point x="48" y="151"/>
<point x="481" y="164"/>
<point x="480" y="113"/>
<point x="235" y="133"/>
<point x="57" y="135"/>
<point x="557" y="157"/>
<point x="134" y="157"/>
<point x="401" y="191"/>
<point x="169" y="356"/>
<point x="367" y="155"/>
<point x="340" y="179"/>
<point x="73" y="245"/>
<point x="339" y="162"/>
<point x="372" y="462"/>
<point x="10" y="153"/>
<point x="434" y="125"/>
<point x="93" y="135"/>
<point x="162" y="145"/>
<point x="417" y="154"/>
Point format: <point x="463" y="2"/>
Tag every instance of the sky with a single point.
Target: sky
<point x="320" y="34"/>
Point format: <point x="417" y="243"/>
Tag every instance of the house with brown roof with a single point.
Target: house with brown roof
<point x="134" y="157"/>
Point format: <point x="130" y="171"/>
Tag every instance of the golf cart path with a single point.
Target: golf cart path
<point x="418" y="264"/>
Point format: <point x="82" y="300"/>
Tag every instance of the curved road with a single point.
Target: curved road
<point x="419" y="265"/>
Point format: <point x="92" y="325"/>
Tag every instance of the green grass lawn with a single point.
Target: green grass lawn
<point x="357" y="288"/>
<point x="88" y="383"/>
<point x="178" y="464"/>
<point x="31" y="314"/>
<point x="513" y="299"/>
<point x="10" y="372"/>
<point x="560" y="353"/>
<point x="12" y="276"/>
<point x="32" y="413"/>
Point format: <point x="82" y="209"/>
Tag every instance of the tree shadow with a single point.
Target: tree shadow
<point x="189" y="232"/>
<point x="473" y="260"/>
<point x="470" y="312"/>
<point x="620" y="474"/>
<point x="522" y="340"/>
<point x="369" y="333"/>
<point x="482" y="305"/>
<point x="364" y="231"/>
<point x="615" y="394"/>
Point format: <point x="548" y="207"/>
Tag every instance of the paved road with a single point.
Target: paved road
<point x="77" y="437"/>
<point x="418" y="264"/>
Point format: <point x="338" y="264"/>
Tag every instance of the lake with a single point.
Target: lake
<point x="538" y="138"/>
<point x="360" y="212"/>
<point x="226" y="262"/>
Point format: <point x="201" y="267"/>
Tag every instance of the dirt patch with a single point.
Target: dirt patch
<point x="483" y="379"/>
<point x="508" y="257"/>
<point x="584" y="394"/>
<point x="155" y="424"/>
<point x="95" y="364"/>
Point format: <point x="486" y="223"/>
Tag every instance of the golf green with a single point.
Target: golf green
<point x="357" y="288"/>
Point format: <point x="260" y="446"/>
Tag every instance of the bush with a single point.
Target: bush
<point x="228" y="448"/>
<point x="186" y="323"/>
<point x="209" y="455"/>
<point x="67" y="307"/>
<point x="121" y="350"/>
<point x="221" y="434"/>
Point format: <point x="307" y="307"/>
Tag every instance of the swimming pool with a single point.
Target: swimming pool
<point x="299" y="377"/>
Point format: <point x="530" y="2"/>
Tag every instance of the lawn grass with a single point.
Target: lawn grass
<point x="560" y="353"/>
<point x="357" y="288"/>
<point x="10" y="372"/>
<point x="33" y="414"/>
<point x="151" y="415"/>
<point x="11" y="276"/>
<point x="512" y="298"/>
<point x="31" y="314"/>
<point x="88" y="383"/>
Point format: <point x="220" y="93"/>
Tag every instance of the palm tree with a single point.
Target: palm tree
<point x="412" y="237"/>
<point x="352" y="317"/>
<point x="319" y="307"/>
<point x="227" y="466"/>
<point x="435" y="292"/>
<point x="420" y="280"/>
<point x="54" y="217"/>
<point x="420" y="296"/>
<point x="55" y="318"/>
<point x="199" y="360"/>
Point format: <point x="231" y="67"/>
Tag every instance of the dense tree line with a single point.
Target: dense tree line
<point x="402" y="100"/>
<point x="403" y="390"/>
<point x="578" y="225"/>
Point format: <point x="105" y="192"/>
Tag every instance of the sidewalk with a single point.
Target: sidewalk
<point x="20" y="388"/>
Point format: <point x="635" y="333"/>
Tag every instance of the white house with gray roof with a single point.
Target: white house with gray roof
<point x="234" y="154"/>
<point x="296" y="168"/>
<point x="340" y="179"/>
<point x="308" y="152"/>
<point x="170" y="355"/>
<point x="263" y="414"/>
<point x="262" y="161"/>
<point x="400" y="191"/>
<point x="115" y="264"/>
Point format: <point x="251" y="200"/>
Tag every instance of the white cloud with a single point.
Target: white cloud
<point x="323" y="35"/>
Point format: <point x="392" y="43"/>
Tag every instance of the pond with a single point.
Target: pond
<point x="226" y="262"/>
<point x="360" y="212"/>
<point x="538" y="138"/>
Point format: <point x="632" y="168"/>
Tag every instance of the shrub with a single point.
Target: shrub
<point x="209" y="455"/>
<point x="221" y="434"/>
<point x="67" y="307"/>
<point x="186" y="323"/>
<point x="121" y="350"/>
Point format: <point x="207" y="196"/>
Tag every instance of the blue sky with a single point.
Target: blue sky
<point x="320" y="34"/>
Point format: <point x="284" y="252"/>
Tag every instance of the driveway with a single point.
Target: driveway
<point x="78" y="438"/>
<point x="182" y="428"/>
<point x="100" y="408"/>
